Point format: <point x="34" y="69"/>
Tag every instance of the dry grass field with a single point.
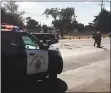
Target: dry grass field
<point x="80" y="36"/>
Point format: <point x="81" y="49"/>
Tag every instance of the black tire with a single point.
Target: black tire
<point x="53" y="76"/>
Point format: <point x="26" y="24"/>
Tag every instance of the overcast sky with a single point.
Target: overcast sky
<point x="85" y="11"/>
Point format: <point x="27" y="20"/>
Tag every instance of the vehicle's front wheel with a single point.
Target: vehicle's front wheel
<point x="53" y="76"/>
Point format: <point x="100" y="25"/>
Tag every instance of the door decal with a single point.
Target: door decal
<point x="37" y="63"/>
<point x="37" y="60"/>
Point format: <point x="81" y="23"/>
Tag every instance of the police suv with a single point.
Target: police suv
<point x="46" y="38"/>
<point x="25" y="59"/>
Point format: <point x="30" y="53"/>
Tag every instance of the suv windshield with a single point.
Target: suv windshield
<point x="27" y="40"/>
<point x="31" y="42"/>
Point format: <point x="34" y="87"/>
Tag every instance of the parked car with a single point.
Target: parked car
<point x="46" y="38"/>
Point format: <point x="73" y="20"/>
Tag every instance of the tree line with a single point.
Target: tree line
<point x="11" y="15"/>
<point x="63" y="19"/>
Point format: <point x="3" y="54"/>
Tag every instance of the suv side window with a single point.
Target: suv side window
<point x="30" y="43"/>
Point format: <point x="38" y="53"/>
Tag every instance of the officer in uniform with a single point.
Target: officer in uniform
<point x="98" y="38"/>
<point x="93" y="36"/>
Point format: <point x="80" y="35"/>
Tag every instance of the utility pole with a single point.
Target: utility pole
<point x="101" y="11"/>
<point x="110" y="6"/>
<point x="101" y="5"/>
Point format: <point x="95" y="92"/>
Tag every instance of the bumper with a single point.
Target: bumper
<point x="55" y="64"/>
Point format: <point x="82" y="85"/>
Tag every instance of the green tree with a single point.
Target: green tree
<point x="11" y="15"/>
<point x="62" y="17"/>
<point x="81" y="27"/>
<point x="54" y="12"/>
<point x="74" y="25"/>
<point x="28" y="19"/>
<point x="12" y="7"/>
<point x="102" y="21"/>
<point x="56" y="24"/>
<point x="67" y="16"/>
<point x="32" y="25"/>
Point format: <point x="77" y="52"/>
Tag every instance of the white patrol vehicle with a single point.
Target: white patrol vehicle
<point x="25" y="59"/>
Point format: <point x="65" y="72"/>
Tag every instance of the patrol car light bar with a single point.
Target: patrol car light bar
<point x="9" y="27"/>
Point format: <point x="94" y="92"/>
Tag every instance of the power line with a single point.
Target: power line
<point x="110" y="6"/>
<point x="31" y="13"/>
<point x="34" y="14"/>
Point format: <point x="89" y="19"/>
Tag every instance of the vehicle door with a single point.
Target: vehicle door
<point x="14" y="57"/>
<point x="37" y="58"/>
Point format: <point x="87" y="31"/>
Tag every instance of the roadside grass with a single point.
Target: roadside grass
<point x="80" y="36"/>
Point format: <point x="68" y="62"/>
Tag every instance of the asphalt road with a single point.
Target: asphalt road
<point x="83" y="42"/>
<point x="74" y="56"/>
<point x="93" y="54"/>
<point x="74" y="62"/>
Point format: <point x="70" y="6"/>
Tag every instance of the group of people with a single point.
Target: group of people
<point x="97" y="35"/>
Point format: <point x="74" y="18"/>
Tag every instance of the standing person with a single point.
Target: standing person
<point x="98" y="38"/>
<point x="54" y="32"/>
<point x="93" y="36"/>
<point x="41" y="30"/>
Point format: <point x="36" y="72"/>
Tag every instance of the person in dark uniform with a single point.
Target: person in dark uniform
<point x="93" y="36"/>
<point x="98" y="38"/>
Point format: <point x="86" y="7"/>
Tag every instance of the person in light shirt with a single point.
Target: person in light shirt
<point x="54" y="32"/>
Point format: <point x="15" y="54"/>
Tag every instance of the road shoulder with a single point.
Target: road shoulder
<point x="91" y="78"/>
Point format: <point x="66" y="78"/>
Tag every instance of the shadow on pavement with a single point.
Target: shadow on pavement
<point x="46" y="86"/>
<point x="102" y="47"/>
